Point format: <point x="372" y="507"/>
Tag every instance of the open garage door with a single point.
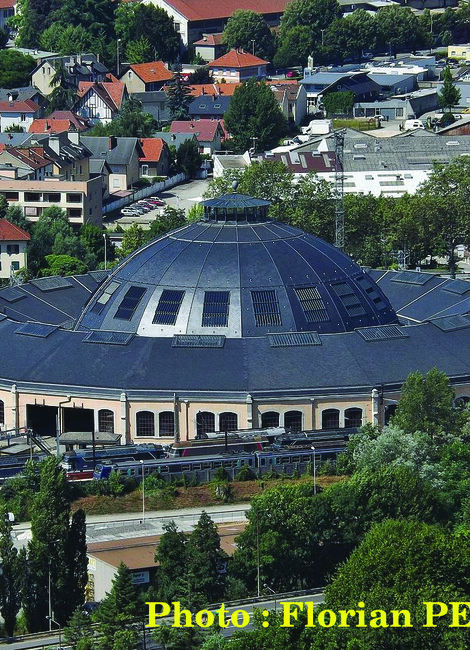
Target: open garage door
<point x="78" y="419"/>
<point x="42" y="419"/>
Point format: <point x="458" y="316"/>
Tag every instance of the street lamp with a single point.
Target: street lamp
<point x="322" y="38"/>
<point x="51" y="620"/>
<point x="117" y="57"/>
<point x="274" y="594"/>
<point x="314" y="472"/>
<point x="253" y="46"/>
<point x="143" y="493"/>
<point x="54" y="541"/>
<point x="105" y="261"/>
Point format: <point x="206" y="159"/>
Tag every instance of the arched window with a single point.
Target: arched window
<point x="145" y="423"/>
<point x="330" y="419"/>
<point x="270" y="419"/>
<point x="228" y="422"/>
<point x="462" y="402"/>
<point x="293" y="420"/>
<point x="2" y="412"/>
<point x="166" y="423"/>
<point x="352" y="418"/>
<point x="106" y="421"/>
<point x="205" y="423"/>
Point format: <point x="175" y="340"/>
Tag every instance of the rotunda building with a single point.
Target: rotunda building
<point x="232" y="322"/>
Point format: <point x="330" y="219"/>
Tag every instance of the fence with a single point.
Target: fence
<point x="148" y="190"/>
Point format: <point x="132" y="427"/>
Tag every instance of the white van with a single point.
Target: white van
<point x="413" y="124"/>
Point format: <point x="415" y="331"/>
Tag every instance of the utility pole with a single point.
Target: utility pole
<point x="339" y="189"/>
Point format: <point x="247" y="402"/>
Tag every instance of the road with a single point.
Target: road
<point x="185" y="195"/>
<point x="45" y="640"/>
<point x="101" y="528"/>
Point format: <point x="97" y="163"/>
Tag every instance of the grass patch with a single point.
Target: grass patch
<point x="358" y="124"/>
<point x="199" y="496"/>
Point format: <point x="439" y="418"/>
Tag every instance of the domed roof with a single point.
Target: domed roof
<point x="237" y="276"/>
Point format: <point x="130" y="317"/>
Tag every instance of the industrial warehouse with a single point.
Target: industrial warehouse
<point x="232" y="322"/>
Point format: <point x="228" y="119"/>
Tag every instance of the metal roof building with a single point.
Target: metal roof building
<point x="232" y="322"/>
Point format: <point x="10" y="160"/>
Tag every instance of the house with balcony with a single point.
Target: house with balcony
<point x="13" y="244"/>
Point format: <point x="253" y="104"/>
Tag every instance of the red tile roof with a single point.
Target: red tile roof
<point x="210" y="9"/>
<point x="154" y="71"/>
<point x="34" y="157"/>
<point x="210" y="40"/>
<point x="152" y="148"/>
<point x="237" y="59"/>
<point x="59" y="122"/>
<point x="28" y="106"/>
<point x="7" y="4"/>
<point x="10" y="232"/>
<point x="213" y="89"/>
<point x="110" y="92"/>
<point x="204" y="130"/>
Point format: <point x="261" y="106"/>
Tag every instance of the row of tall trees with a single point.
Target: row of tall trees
<point x="429" y="223"/>
<point x="53" y="567"/>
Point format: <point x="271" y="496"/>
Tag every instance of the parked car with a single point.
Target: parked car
<point x="156" y="200"/>
<point x="146" y="204"/>
<point x="139" y="208"/>
<point x="129" y="212"/>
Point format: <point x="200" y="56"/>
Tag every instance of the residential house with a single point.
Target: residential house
<point x="13" y="244"/>
<point x="122" y="156"/>
<point x="18" y="114"/>
<point x="237" y="66"/>
<point x="209" y="107"/>
<point x="216" y="89"/>
<point x="209" y="47"/>
<point x="209" y="133"/>
<point x="175" y="140"/>
<point x="100" y="101"/>
<point x="193" y="18"/>
<point x="60" y="122"/>
<point x="78" y="68"/>
<point x="7" y="10"/>
<point x="155" y="103"/>
<point x="51" y="169"/>
<point x="460" y="52"/>
<point x="22" y="94"/>
<point x="292" y="98"/>
<point x="156" y="157"/>
<point x="146" y="77"/>
<point x="317" y="84"/>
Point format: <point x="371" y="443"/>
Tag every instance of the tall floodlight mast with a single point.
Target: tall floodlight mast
<point x="339" y="189"/>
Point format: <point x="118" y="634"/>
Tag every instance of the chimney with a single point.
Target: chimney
<point x="46" y="126"/>
<point x="54" y="143"/>
<point x="10" y="97"/>
<point x="74" y="137"/>
<point x="203" y="91"/>
<point x="112" y="142"/>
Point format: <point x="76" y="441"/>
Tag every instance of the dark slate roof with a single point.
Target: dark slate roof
<point x="281" y="264"/>
<point x="152" y="103"/>
<point x="121" y="154"/>
<point x="206" y="106"/>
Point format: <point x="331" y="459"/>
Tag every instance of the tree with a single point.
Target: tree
<point x="426" y="404"/>
<point x="254" y="116"/>
<point x="169" y="219"/>
<point x="135" y="21"/>
<point x="131" y="122"/>
<point x="449" y="95"/>
<point x="188" y="158"/>
<point x="9" y="575"/>
<point x="315" y="14"/>
<point x="50" y="540"/>
<point x="248" y="30"/>
<point x="399" y="566"/>
<point x="338" y="103"/>
<point x="200" y="75"/>
<point x="171" y="556"/>
<point x="179" y="96"/>
<point x="397" y="28"/>
<point x="78" y="628"/>
<point x="15" y="68"/>
<point x="63" y="265"/>
<point x="31" y="19"/>
<point x="92" y="239"/>
<point x="120" y="606"/>
<point x="139" y="51"/>
<point x="134" y="237"/>
<point x="205" y="562"/>
<point x="445" y="208"/>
